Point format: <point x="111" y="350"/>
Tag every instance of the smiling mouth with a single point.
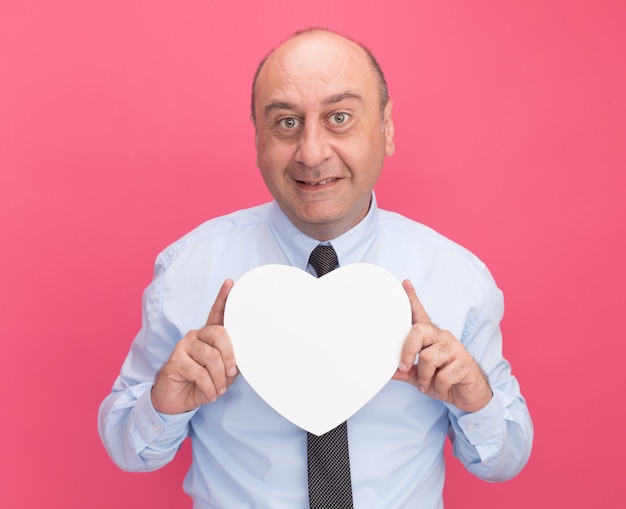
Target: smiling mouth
<point x="318" y="183"/>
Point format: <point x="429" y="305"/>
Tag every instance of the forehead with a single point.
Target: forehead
<point x="310" y="68"/>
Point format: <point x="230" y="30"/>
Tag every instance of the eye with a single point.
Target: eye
<point x="289" y="123"/>
<point x="339" y="118"/>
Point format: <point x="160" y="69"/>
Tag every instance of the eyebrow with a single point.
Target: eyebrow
<point x="279" y="106"/>
<point x="340" y="97"/>
<point x="333" y="99"/>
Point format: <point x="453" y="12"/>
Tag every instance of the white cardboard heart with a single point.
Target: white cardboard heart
<point x="317" y="350"/>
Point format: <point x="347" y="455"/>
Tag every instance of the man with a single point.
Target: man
<point x="324" y="127"/>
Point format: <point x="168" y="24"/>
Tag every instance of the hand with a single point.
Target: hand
<point x="201" y="367"/>
<point x="445" y="369"/>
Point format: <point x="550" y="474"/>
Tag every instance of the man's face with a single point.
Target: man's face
<point x="321" y="135"/>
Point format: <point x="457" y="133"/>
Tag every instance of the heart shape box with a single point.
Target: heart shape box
<point x="317" y="350"/>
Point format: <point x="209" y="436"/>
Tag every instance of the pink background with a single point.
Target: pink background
<point x="123" y="124"/>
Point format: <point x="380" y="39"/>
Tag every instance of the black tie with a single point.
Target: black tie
<point x="330" y="484"/>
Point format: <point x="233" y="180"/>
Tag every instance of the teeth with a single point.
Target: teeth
<point x="320" y="182"/>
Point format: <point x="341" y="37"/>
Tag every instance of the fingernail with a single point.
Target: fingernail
<point x="420" y="388"/>
<point x="402" y="366"/>
<point x="231" y="371"/>
<point x="222" y="390"/>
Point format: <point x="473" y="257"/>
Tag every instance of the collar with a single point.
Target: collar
<point x="350" y="246"/>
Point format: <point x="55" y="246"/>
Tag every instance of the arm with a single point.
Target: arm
<point x="144" y="420"/>
<point x="490" y="427"/>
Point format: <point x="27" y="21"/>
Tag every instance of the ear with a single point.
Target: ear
<point x="256" y="136"/>
<point x="388" y="129"/>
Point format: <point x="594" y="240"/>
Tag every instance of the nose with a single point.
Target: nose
<point x="314" y="145"/>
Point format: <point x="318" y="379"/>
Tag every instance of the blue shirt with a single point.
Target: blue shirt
<point x="247" y="455"/>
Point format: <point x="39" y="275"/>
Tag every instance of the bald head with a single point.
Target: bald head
<point x="313" y="33"/>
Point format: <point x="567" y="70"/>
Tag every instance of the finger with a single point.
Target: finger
<point x="218" y="339"/>
<point x="432" y="360"/>
<point x="210" y="358"/>
<point x="204" y="382"/>
<point x="447" y="377"/>
<point x="182" y="384"/>
<point x="418" y="337"/>
<point x="418" y="313"/>
<point x="406" y="376"/>
<point x="216" y="315"/>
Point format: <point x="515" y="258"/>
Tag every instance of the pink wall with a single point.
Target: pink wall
<point x="123" y="124"/>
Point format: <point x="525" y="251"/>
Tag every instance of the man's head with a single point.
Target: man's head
<point x="323" y="124"/>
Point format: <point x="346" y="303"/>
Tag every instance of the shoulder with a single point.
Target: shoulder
<point x="454" y="285"/>
<point x="416" y="236"/>
<point x="217" y="231"/>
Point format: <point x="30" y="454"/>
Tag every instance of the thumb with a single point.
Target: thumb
<point x="216" y="315"/>
<point x="417" y="310"/>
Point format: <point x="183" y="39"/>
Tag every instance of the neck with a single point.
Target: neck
<point x="325" y="231"/>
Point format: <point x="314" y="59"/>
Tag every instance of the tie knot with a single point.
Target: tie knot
<point x="323" y="259"/>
